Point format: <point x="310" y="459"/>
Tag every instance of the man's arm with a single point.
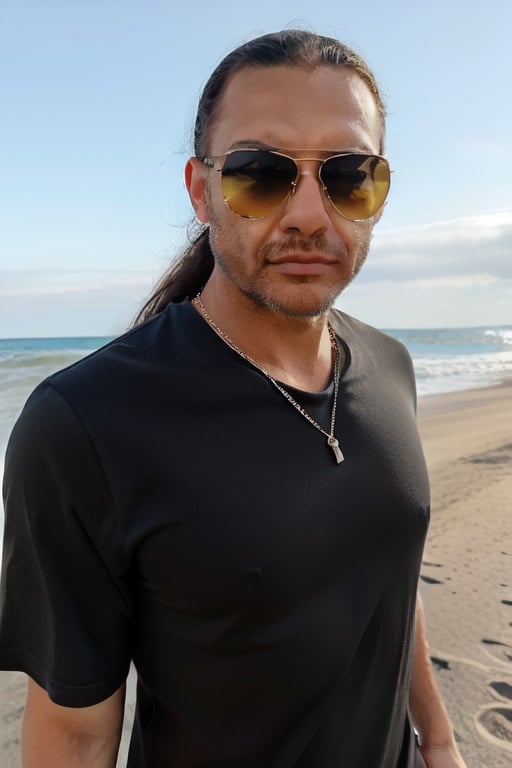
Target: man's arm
<point x="67" y="737"/>
<point x="429" y="715"/>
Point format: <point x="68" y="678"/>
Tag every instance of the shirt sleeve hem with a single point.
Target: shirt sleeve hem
<point x="63" y="694"/>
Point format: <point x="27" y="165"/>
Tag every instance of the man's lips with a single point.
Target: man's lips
<point x="303" y="263"/>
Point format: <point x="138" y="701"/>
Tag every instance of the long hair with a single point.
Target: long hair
<point x="291" y="47"/>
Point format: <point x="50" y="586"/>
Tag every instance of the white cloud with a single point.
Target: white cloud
<point x="447" y="273"/>
<point x="69" y="303"/>
<point x="472" y="245"/>
<point x="432" y="303"/>
<point x="452" y="281"/>
<point x="56" y="284"/>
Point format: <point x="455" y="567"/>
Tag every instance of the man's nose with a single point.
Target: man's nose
<point x="305" y="209"/>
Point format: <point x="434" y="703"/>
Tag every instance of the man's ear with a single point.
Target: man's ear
<point x="194" y="177"/>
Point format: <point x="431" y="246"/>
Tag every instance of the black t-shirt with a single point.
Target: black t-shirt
<point x="166" y="505"/>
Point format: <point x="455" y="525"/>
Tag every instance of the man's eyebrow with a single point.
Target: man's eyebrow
<point x="258" y="144"/>
<point x="251" y="144"/>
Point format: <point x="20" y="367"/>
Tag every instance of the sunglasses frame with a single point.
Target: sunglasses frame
<point x="211" y="160"/>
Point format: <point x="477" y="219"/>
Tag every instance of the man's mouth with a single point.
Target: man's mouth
<point x="303" y="263"/>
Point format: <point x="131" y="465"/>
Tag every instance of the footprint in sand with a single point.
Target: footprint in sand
<point x="495" y="725"/>
<point x="498" y="649"/>
<point x="430" y="580"/>
<point x="495" y="721"/>
<point x="502" y="689"/>
<point x="440" y="664"/>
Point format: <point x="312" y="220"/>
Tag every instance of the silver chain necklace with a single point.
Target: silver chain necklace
<point x="332" y="442"/>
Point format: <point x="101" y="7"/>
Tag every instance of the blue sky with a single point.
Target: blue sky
<point x="98" y="98"/>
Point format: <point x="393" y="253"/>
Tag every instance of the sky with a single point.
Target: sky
<point x="98" y="100"/>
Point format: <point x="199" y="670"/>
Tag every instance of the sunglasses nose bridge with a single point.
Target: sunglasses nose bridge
<point x="313" y="168"/>
<point x="307" y="203"/>
<point x="311" y="171"/>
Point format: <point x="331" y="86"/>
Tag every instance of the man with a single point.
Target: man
<point x="233" y="494"/>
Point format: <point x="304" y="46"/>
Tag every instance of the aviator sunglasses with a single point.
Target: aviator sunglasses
<point x="256" y="182"/>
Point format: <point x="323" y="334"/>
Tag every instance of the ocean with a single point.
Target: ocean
<point x="445" y="360"/>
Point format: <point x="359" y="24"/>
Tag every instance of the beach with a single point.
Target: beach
<point x="466" y="576"/>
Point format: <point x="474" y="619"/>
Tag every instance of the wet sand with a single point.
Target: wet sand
<point x="466" y="577"/>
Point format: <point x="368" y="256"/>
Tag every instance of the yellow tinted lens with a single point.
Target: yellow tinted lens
<point x="255" y="183"/>
<point x="357" y="185"/>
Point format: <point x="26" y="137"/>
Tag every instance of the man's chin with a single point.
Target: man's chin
<point x="297" y="307"/>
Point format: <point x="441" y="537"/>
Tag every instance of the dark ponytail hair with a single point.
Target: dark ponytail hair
<point x="290" y="47"/>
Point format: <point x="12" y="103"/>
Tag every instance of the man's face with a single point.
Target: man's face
<point x="298" y="259"/>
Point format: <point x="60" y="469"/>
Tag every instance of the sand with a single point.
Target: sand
<point x="466" y="577"/>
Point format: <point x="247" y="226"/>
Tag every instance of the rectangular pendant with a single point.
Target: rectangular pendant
<point x="333" y="443"/>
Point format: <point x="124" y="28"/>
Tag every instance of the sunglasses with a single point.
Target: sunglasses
<point x="256" y="182"/>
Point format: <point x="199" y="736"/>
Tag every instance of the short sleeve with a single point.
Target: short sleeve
<point x="64" y="601"/>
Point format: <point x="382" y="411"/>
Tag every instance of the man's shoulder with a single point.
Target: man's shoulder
<point x="130" y="354"/>
<point x="356" y="332"/>
<point x="105" y="385"/>
<point x="371" y="349"/>
<point x="124" y="369"/>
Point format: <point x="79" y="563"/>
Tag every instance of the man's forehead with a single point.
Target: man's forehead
<point x="284" y="106"/>
<point x="254" y="81"/>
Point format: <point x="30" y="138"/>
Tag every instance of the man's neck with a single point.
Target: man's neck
<point x="295" y="351"/>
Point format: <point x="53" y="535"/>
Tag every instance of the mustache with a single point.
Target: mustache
<point x="315" y="244"/>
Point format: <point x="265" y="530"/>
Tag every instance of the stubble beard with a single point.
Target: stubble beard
<point x="311" y="305"/>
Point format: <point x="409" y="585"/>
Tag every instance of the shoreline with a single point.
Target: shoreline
<point x="465" y="580"/>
